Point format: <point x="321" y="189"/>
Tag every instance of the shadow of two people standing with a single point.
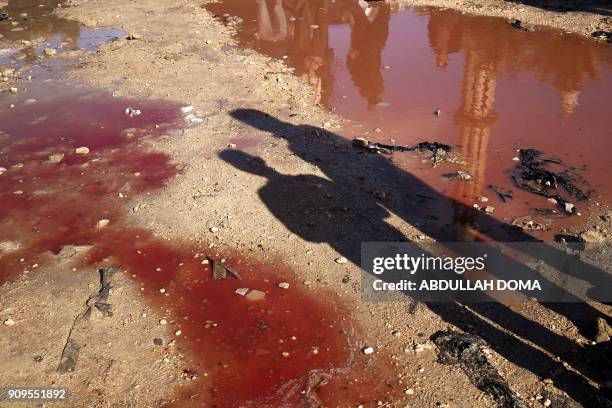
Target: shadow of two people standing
<point x="352" y="202"/>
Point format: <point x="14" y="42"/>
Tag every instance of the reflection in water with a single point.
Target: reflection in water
<point x="483" y="61"/>
<point x="31" y="22"/>
<point x="40" y="22"/>
<point x="369" y="32"/>
<point x="500" y="88"/>
<point x="476" y="114"/>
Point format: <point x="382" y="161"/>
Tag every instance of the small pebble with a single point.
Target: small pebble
<point x="102" y="223"/>
<point x="255" y="295"/>
<point x="242" y="291"/>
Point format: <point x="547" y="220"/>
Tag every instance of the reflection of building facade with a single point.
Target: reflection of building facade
<point x="485" y="57"/>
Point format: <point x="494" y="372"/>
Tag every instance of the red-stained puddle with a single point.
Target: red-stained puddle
<point x="287" y="349"/>
<point x="72" y="158"/>
<point x="497" y="88"/>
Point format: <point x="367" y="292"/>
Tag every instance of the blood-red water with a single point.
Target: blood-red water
<point x="498" y="88"/>
<point x="288" y="349"/>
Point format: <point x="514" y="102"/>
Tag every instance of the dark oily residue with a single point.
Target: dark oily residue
<point x="533" y="174"/>
<point x="466" y="350"/>
<point x="440" y="152"/>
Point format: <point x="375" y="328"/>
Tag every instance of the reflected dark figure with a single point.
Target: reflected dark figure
<point x="370" y="29"/>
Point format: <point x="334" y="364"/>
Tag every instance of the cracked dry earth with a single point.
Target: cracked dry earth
<point x="126" y="313"/>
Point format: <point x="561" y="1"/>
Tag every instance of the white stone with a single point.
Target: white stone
<point x="368" y="350"/>
<point x="102" y="223"/>
<point x="242" y="291"/>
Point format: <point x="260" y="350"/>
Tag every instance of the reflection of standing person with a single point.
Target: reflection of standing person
<point x="370" y="29"/>
<point x="266" y="21"/>
<point x="310" y="47"/>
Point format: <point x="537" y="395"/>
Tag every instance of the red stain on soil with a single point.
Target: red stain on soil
<point x="287" y="349"/>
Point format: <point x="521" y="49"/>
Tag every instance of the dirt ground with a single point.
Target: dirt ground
<point x="223" y="199"/>
<point x="583" y="17"/>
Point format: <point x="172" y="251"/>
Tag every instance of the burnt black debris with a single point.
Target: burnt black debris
<point x="379" y="147"/>
<point x="503" y="195"/>
<point x="602" y="35"/>
<point x="466" y="350"/>
<point x="516" y="23"/>
<point x="534" y="174"/>
<point x="457" y="174"/>
<point x="440" y="152"/>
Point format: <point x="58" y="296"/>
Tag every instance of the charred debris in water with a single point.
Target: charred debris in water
<point x="440" y="152"/>
<point x="550" y="178"/>
<point x="534" y="173"/>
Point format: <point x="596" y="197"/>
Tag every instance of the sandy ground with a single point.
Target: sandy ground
<point x="186" y="56"/>
<point x="583" y="17"/>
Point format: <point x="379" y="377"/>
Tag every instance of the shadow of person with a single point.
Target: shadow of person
<point x="362" y="190"/>
<point x="590" y="6"/>
<point x="317" y="212"/>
